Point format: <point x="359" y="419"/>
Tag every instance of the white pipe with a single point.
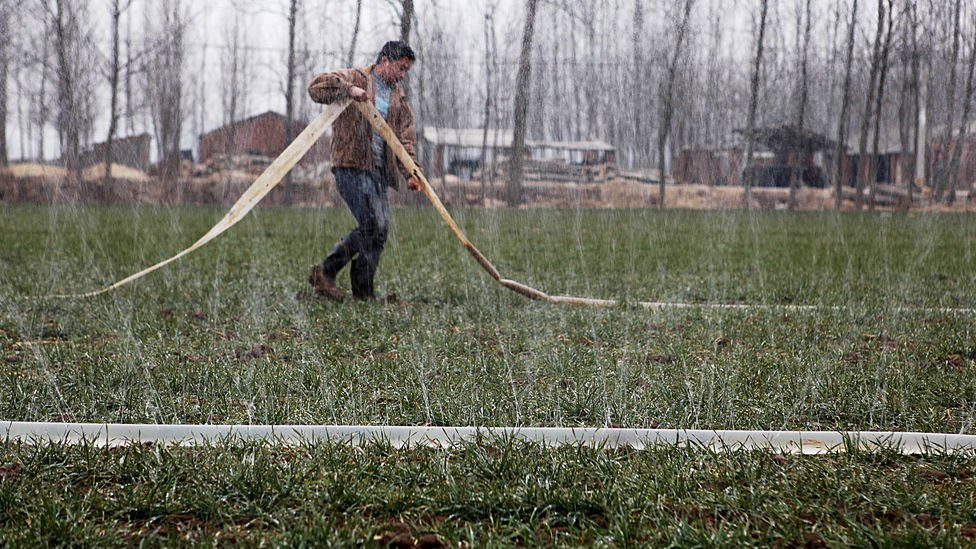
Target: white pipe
<point x="793" y="442"/>
<point x="787" y="307"/>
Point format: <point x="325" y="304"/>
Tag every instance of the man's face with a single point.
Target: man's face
<point x="393" y="71"/>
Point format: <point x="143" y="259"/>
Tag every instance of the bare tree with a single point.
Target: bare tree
<point x="72" y="61"/>
<point x="839" y="154"/>
<point x="556" y="70"/>
<point x="802" y="96"/>
<point x="403" y="12"/>
<point x="235" y="84"/>
<point x="41" y="110"/>
<point x="117" y="8"/>
<point x="754" y="100"/>
<point x="166" y="28"/>
<point x="667" y="95"/>
<point x="355" y="33"/>
<point x="290" y="88"/>
<point x="130" y="71"/>
<point x="522" y="80"/>
<point x="908" y="92"/>
<point x="879" y="103"/>
<point x="490" y="9"/>
<point x="638" y="137"/>
<point x="953" y="172"/>
<point x="5" y="45"/>
<point x="941" y="171"/>
<point x="864" y="162"/>
<point x="406" y="20"/>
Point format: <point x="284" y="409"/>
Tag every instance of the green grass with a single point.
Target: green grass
<point x="220" y="337"/>
<point x="492" y="493"/>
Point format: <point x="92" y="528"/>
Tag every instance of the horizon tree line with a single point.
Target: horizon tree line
<point x="651" y="77"/>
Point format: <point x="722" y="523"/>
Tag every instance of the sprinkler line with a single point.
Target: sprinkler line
<point x="787" y="442"/>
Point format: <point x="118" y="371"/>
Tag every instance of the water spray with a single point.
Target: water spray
<point x="274" y="173"/>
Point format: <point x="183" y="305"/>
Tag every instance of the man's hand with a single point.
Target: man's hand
<point x="413" y="184"/>
<point x="358" y="94"/>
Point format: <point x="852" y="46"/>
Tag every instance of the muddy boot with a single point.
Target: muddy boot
<point x="323" y="285"/>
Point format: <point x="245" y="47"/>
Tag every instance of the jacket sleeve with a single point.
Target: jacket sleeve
<point x="330" y="87"/>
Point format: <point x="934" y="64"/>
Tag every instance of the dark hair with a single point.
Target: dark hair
<point x="395" y="50"/>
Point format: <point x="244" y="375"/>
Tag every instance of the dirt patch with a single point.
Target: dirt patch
<point x="119" y="171"/>
<point x="622" y="194"/>
<point x="35" y="170"/>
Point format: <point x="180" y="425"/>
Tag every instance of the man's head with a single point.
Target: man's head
<point x="394" y="60"/>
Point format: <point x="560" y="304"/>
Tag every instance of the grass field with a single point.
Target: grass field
<point x="230" y="335"/>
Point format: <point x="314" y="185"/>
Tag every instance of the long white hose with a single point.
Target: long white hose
<point x="792" y="442"/>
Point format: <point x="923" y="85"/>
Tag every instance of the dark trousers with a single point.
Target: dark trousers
<point x="365" y="193"/>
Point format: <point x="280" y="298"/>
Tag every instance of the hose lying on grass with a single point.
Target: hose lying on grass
<point x="786" y="442"/>
<point x="379" y="124"/>
<point x="250" y="198"/>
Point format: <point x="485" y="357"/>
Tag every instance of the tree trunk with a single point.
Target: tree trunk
<point x="113" y="80"/>
<point x="522" y="79"/>
<point x="65" y="31"/>
<point x="576" y="120"/>
<point x="638" y="103"/>
<point x="667" y="99"/>
<point x="942" y="166"/>
<point x="234" y="85"/>
<point x="406" y="21"/>
<point x="921" y="134"/>
<point x="166" y="88"/>
<point x="23" y="118"/>
<point x="801" y="106"/>
<point x="589" y="83"/>
<point x="753" y="102"/>
<point x="130" y="118"/>
<point x="953" y="172"/>
<point x="4" y="74"/>
<point x="290" y="92"/>
<point x="355" y="34"/>
<point x="555" y="75"/>
<point x="864" y="162"/>
<point x="42" y="112"/>
<point x="879" y="103"/>
<point x="909" y="83"/>
<point x="842" y="125"/>
<point x="486" y="122"/>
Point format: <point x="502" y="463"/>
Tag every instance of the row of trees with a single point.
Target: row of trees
<point x="650" y="76"/>
<point x="68" y="67"/>
<point x="864" y="73"/>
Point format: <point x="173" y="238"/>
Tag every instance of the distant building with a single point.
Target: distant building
<point x="458" y="150"/>
<point x="260" y="135"/>
<point x="130" y="151"/>
<point x="778" y="150"/>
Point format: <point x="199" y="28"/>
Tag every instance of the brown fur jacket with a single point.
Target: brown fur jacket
<point x="352" y="134"/>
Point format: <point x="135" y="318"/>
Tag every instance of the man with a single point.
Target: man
<point x="363" y="165"/>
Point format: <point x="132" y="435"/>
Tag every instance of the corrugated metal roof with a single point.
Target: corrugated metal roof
<point x="473" y="137"/>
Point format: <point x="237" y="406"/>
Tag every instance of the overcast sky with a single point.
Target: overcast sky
<point x="327" y="30"/>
